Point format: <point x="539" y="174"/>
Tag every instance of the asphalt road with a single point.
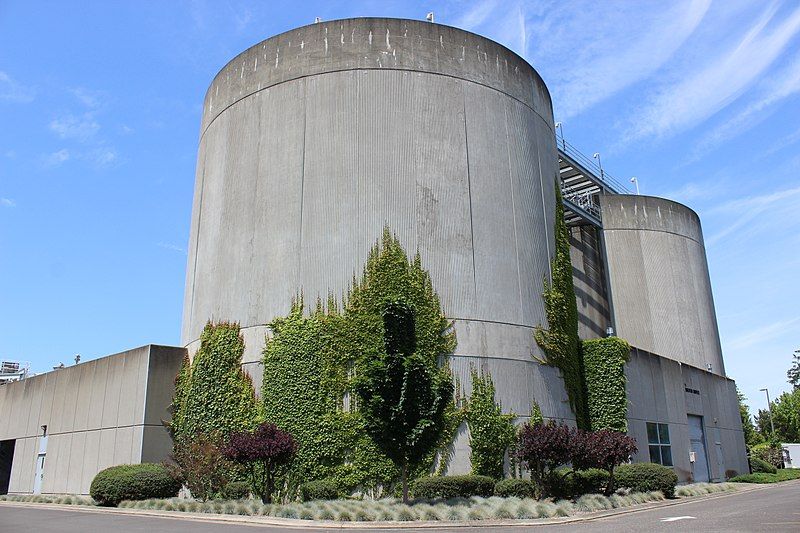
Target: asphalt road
<point x="775" y="509"/>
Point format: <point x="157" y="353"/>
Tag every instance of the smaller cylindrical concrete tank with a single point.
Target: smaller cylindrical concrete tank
<point x="659" y="281"/>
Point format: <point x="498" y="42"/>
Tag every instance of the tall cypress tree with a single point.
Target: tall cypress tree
<point x="401" y="336"/>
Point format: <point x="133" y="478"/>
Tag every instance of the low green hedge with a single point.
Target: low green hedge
<point x="646" y="477"/>
<point x="323" y="489"/>
<point x="453" y="487"/>
<point x="760" y="465"/>
<point x="236" y="490"/>
<point x="784" y="474"/>
<point x="521" y="488"/>
<point x="566" y="483"/>
<point x="133" y="482"/>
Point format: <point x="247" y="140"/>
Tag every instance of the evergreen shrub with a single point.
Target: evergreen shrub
<point x="446" y="487"/>
<point x="519" y="488"/>
<point x="759" y="465"/>
<point x="322" y="489"/>
<point x="236" y="490"/>
<point x="646" y="477"/>
<point x="133" y="482"/>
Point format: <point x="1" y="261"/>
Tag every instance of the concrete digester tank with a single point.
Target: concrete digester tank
<point x="314" y="139"/>
<point x="660" y="285"/>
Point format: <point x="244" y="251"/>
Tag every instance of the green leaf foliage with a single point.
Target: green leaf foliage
<point x="304" y="384"/>
<point x="604" y="364"/>
<point x="491" y="431"/>
<point x="401" y="336"/>
<point x="214" y="395"/>
<point x="311" y="363"/>
<point x="560" y="342"/>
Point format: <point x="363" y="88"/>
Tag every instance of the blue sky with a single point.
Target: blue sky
<point x="100" y="108"/>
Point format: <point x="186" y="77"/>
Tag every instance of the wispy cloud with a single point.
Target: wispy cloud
<point x="89" y="98"/>
<point x="12" y="91"/>
<point x="102" y="157"/>
<point x="762" y="334"/>
<point x="616" y="54"/>
<point x="476" y="15"/>
<point x="81" y="128"/>
<point x="689" y="102"/>
<point x="784" y="85"/>
<point x="744" y="212"/>
<point x="173" y="247"/>
<point x="782" y="143"/>
<point x="7" y="202"/>
<point x="56" y="159"/>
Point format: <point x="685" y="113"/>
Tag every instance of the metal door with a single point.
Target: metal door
<point x="37" y="481"/>
<point x="697" y="444"/>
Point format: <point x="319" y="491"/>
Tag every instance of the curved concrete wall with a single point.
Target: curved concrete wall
<point x="660" y="287"/>
<point x="315" y="139"/>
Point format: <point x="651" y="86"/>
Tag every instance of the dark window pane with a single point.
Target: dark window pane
<point x="655" y="454"/>
<point x="663" y="433"/>
<point x="666" y="456"/>
<point x="652" y="433"/>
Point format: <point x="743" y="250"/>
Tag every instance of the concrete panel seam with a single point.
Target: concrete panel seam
<point x="469" y="193"/>
<point x="367" y="69"/>
<point x="656" y="231"/>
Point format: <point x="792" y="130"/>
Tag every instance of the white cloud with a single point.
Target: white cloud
<point x="617" y="51"/>
<point x="81" y="128"/>
<point x="12" y="91"/>
<point x="762" y="334"/>
<point x="786" y="84"/>
<point x="683" y="104"/>
<point x="476" y="16"/>
<point x="89" y="98"/>
<point x="173" y="247"/>
<point x="57" y="158"/>
<point x="103" y="157"/>
<point x="7" y="202"/>
<point x="749" y="214"/>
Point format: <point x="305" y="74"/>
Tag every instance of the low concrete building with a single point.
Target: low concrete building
<point x="58" y="429"/>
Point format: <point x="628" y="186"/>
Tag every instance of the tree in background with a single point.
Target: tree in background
<point x="560" y="342"/>
<point x="793" y="374"/>
<point x="751" y="435"/>
<point x="786" y="416"/>
<point x="261" y="452"/>
<point x="402" y="396"/>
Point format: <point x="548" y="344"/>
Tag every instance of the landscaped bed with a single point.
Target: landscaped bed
<point x="391" y="510"/>
<point x="784" y="474"/>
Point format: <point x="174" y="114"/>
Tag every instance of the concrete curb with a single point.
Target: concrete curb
<point x="328" y="525"/>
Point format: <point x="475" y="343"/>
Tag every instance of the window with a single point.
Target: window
<point x="658" y="441"/>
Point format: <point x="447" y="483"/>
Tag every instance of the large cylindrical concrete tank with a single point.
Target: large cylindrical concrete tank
<point x="660" y="286"/>
<point x="313" y="140"/>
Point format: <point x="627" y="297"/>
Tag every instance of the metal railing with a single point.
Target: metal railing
<point x="589" y="164"/>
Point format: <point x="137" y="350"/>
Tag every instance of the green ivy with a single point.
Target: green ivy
<point x="560" y="342"/>
<point x="310" y="362"/>
<point x="214" y="395"/>
<point x="491" y="431"/>
<point x="604" y="364"/>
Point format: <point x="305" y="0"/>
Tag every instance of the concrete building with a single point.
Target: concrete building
<point x="311" y="142"/>
<point x="59" y="429"/>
